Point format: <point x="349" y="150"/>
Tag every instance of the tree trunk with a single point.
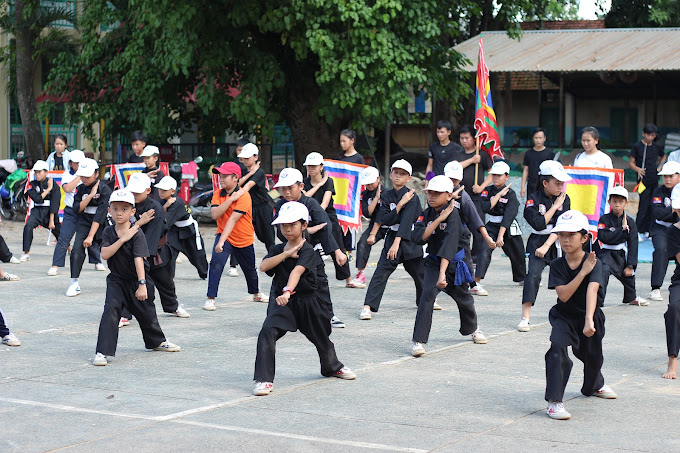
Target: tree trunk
<point x="34" y="145"/>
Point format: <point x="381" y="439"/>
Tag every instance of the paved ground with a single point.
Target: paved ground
<point x="458" y="397"/>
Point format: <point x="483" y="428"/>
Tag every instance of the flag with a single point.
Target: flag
<point x="123" y="172"/>
<point x="56" y="178"/>
<point x="347" y="199"/>
<point x="485" y="117"/>
<point x="589" y="191"/>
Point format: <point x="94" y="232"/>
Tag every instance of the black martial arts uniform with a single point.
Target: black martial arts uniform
<point x="503" y="214"/>
<point x="650" y="154"/>
<point x="363" y="249"/>
<point x="95" y="211"/>
<point x="664" y="217"/>
<point x="154" y="190"/>
<point x="121" y="285"/>
<point x="304" y="311"/>
<point x="41" y="210"/>
<point x="410" y="254"/>
<point x="567" y="320"/>
<point x="5" y="254"/>
<point x="471" y="222"/>
<point x="672" y="315"/>
<point x="443" y="243"/>
<point x="619" y="250"/>
<point x="262" y="210"/>
<point x="538" y="203"/>
<point x="184" y="236"/>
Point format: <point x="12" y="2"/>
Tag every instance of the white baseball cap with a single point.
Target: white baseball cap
<point x="454" y="170"/>
<point x="313" y="159"/>
<point x="403" y="164"/>
<point x="369" y="175"/>
<point x="669" y="168"/>
<point x="440" y="183"/>
<point x="554" y="169"/>
<point x="292" y="212"/>
<point x="571" y="221"/>
<point x="76" y="156"/>
<point x="150" y="150"/>
<point x="500" y="168"/>
<point x="288" y="177"/>
<point x="166" y="183"/>
<point x="675" y="197"/>
<point x="249" y="150"/>
<point x="122" y="195"/>
<point x="620" y="191"/>
<point x="87" y="167"/>
<point x="40" y="165"/>
<point x="138" y="182"/>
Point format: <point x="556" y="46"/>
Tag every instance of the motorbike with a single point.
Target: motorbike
<point x="13" y="198"/>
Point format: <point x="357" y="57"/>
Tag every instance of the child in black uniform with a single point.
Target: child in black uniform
<point x="255" y="183"/>
<point x="399" y="210"/>
<point x="439" y="227"/>
<point x="183" y="233"/>
<point x="500" y="202"/>
<point x="672" y="315"/>
<point x="46" y="198"/>
<point x="618" y="234"/>
<point x="124" y="247"/>
<point x="150" y="156"/>
<point x="542" y="209"/>
<point x="664" y="217"/>
<point x="293" y="301"/>
<point x="577" y="319"/>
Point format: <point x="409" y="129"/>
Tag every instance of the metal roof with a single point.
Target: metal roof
<point x="612" y="49"/>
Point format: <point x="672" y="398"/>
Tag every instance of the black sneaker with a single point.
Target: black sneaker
<point x="335" y="322"/>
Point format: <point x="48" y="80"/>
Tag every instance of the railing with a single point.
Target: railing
<point x="53" y="4"/>
<point x="17" y="140"/>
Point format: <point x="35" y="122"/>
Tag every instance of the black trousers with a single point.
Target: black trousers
<point x="614" y="263"/>
<point x="196" y="257"/>
<point x="324" y="292"/>
<point x="5" y="254"/>
<point x="121" y="293"/>
<point x="164" y="279"/>
<point x="77" y="258"/>
<point x="341" y="272"/>
<point x="385" y="268"/>
<point x="659" y="235"/>
<point x="513" y="246"/>
<point x="262" y="223"/>
<point x="536" y="265"/>
<point x="644" y="215"/>
<point x="567" y="330"/>
<point x="364" y="250"/>
<point x="672" y="319"/>
<point x="305" y="314"/>
<point x="40" y="216"/>
<point x="477" y="238"/>
<point x="4" y="331"/>
<point x="460" y="294"/>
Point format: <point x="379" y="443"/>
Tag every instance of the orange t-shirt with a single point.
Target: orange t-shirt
<point x="243" y="233"/>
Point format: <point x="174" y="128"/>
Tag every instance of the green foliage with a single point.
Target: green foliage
<point x="666" y="13"/>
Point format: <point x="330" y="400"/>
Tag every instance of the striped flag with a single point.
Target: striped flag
<point x="347" y="199"/>
<point x="485" y="117"/>
<point x="123" y="172"/>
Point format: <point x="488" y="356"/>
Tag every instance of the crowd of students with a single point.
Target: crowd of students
<point x="470" y="210"/>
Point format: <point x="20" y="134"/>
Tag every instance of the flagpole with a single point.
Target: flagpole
<point x="476" y="164"/>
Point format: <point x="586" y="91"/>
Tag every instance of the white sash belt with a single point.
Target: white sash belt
<point x="666" y="224"/>
<point x="188" y="222"/>
<point x="495" y="218"/>
<point x="90" y="210"/>
<point x="546" y="230"/>
<point x="44" y="203"/>
<point x="621" y="246"/>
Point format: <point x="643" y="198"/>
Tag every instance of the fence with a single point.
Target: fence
<point x="17" y="141"/>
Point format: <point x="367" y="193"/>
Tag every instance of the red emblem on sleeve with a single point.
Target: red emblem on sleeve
<point x="485" y="193"/>
<point x="656" y="200"/>
<point x="600" y="225"/>
<point x="530" y="203"/>
<point x="420" y="219"/>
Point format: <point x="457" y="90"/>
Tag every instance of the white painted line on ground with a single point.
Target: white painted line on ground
<point x="62" y="407"/>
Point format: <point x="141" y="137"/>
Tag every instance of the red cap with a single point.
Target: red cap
<point x="228" y="168"/>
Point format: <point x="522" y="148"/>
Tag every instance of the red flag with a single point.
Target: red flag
<point x="485" y="117"/>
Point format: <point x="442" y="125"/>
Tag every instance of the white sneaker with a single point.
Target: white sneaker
<point x="436" y="306"/>
<point x="263" y="388"/>
<point x="260" y="297"/>
<point x="166" y="346"/>
<point x="365" y="314"/>
<point x="557" y="411"/>
<point x="606" y="393"/>
<point x="24" y="257"/>
<point x="345" y="373"/>
<point x="99" y="360"/>
<point x="52" y="271"/>
<point x="232" y="272"/>
<point x="656" y="295"/>
<point x="123" y="322"/>
<point x="181" y="312"/>
<point x="99" y="267"/>
<point x="417" y="349"/>
<point x="640" y="301"/>
<point x="524" y="325"/>
<point x="478" y="337"/>
<point x="209" y="305"/>
<point x="73" y="290"/>
<point x="14" y="260"/>
<point x="478" y="290"/>
<point x="9" y="277"/>
<point x="335" y="322"/>
<point x="179" y="260"/>
<point x="11" y="340"/>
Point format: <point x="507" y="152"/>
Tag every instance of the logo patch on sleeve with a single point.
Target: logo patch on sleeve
<point x="530" y="203"/>
<point x="656" y="200"/>
<point x="485" y="193"/>
<point x="420" y="219"/>
<point x="600" y="225"/>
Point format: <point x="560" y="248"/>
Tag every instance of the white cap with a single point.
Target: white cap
<point x="669" y="168"/>
<point x="571" y="221"/>
<point x="40" y="165"/>
<point x="620" y="191"/>
<point x="150" y="150"/>
<point x="499" y="168"/>
<point x="76" y="156"/>
<point x="453" y="170"/>
<point x="675" y="197"/>
<point x="138" y="182"/>
<point x="122" y="195"/>
<point x="292" y="212"/>
<point x="440" y="183"/>
<point x="313" y="159"/>
<point x="288" y="177"/>
<point x="369" y="175"/>
<point x="403" y="164"/>
<point x="249" y="150"/>
<point x="554" y="169"/>
<point x="166" y="183"/>
<point x="87" y="167"/>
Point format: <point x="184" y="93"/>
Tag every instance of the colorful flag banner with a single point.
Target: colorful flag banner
<point x="347" y="199"/>
<point x="56" y="177"/>
<point x="485" y="117"/>
<point x="122" y="172"/>
<point x="589" y="191"/>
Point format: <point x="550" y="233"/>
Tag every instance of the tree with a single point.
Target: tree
<point x="33" y="38"/>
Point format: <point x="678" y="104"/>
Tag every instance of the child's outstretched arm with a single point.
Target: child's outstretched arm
<point x="273" y="261"/>
<point x="542" y="250"/>
<point x="293" y="280"/>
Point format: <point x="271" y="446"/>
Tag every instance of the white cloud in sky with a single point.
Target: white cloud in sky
<point x="588" y="10"/>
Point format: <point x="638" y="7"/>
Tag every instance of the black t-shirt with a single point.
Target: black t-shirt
<point x="673" y="250"/>
<point x="354" y="159"/>
<point x="259" y="193"/>
<point x="135" y="159"/>
<point x="533" y="160"/>
<point x="58" y="162"/>
<point x="122" y="263"/>
<point x="329" y="186"/>
<point x="306" y="258"/>
<point x="469" y="171"/>
<point x="561" y="274"/>
<point x="442" y="155"/>
<point x="654" y="153"/>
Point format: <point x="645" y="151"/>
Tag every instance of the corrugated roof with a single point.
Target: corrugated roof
<point x="613" y="49"/>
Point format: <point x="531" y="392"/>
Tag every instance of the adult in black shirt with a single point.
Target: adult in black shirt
<point x="532" y="160"/>
<point x="442" y="151"/>
<point x="644" y="160"/>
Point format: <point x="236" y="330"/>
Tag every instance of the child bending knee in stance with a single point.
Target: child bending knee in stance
<point x="672" y="315"/>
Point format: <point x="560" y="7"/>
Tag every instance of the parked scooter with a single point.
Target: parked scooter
<point x="13" y="199"/>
